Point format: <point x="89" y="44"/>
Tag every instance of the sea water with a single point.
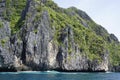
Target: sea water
<point x="53" y="75"/>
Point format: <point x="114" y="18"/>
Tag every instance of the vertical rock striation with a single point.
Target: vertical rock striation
<point x="41" y="44"/>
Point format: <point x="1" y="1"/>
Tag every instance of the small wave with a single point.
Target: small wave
<point x="27" y="72"/>
<point x="8" y="73"/>
<point x="68" y="73"/>
<point x="47" y="72"/>
<point x="36" y="72"/>
<point x="21" y="72"/>
<point x="108" y="72"/>
<point x="51" y="72"/>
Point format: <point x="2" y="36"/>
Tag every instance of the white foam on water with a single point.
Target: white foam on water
<point x="108" y="72"/>
<point x="47" y="72"/>
<point x="52" y="71"/>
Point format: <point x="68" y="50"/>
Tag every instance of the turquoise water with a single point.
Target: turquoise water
<point x="52" y="75"/>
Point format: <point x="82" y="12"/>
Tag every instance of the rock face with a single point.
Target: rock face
<point x="35" y="47"/>
<point x="6" y="55"/>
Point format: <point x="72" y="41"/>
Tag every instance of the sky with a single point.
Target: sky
<point x="103" y="12"/>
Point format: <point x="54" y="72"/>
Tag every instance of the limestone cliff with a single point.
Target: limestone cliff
<point x="38" y="35"/>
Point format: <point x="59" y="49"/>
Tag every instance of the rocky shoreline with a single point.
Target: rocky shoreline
<point x="39" y="46"/>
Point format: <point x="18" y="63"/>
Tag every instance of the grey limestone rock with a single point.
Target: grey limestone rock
<point x="34" y="48"/>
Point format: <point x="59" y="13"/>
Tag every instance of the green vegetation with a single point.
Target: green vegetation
<point x="1" y="24"/>
<point x="35" y="31"/>
<point x="114" y="53"/>
<point x="13" y="12"/>
<point x="91" y="41"/>
<point x="3" y="41"/>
